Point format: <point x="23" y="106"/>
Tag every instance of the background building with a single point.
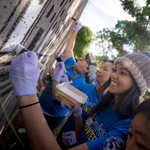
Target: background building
<point x="42" y="26"/>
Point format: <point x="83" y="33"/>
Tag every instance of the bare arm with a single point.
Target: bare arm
<point x="70" y="45"/>
<point x="37" y="129"/>
<point x="81" y="147"/>
<point x="41" y="83"/>
<point x="54" y="83"/>
<point x="78" y="127"/>
<point x="71" y="40"/>
<point x="38" y="132"/>
<point x="40" y="79"/>
<point x="58" y="71"/>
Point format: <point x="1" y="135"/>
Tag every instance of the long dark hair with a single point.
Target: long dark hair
<point x="87" y="77"/>
<point x="107" y="83"/>
<point x="144" y="107"/>
<point x="127" y="102"/>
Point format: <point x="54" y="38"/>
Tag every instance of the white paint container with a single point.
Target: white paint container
<point x="70" y="95"/>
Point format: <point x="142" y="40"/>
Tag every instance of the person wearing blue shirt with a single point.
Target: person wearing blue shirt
<point x="76" y="72"/>
<point x="94" y="93"/>
<point x="130" y="79"/>
<point x="92" y="79"/>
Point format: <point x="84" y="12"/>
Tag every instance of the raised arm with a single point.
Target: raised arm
<point x="58" y="77"/>
<point x="37" y="129"/>
<point x="24" y="74"/>
<point x="41" y="82"/>
<point x="78" y="121"/>
<point x="63" y="78"/>
<point x="71" y="41"/>
<point x="58" y="71"/>
<point x="38" y="132"/>
<point x="78" y="127"/>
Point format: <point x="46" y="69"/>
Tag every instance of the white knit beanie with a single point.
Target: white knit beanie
<point x="138" y="65"/>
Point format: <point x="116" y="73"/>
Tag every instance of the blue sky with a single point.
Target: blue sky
<point x="99" y="14"/>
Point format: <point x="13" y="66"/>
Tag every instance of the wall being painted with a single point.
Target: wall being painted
<point x="42" y="26"/>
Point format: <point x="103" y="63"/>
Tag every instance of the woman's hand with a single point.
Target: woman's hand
<point x="76" y="111"/>
<point x="24" y="74"/>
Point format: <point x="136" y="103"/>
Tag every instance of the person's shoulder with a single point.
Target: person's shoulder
<point x="129" y="120"/>
<point x="87" y="85"/>
<point x="79" y="82"/>
<point x="124" y="123"/>
<point x="79" y="79"/>
<point x="70" y="61"/>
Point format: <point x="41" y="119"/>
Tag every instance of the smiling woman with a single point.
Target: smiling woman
<point x="66" y="137"/>
<point x="120" y="80"/>
<point x="103" y="74"/>
<point x="127" y="84"/>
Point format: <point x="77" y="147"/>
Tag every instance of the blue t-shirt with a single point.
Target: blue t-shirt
<point x="90" y="91"/>
<point x="107" y="131"/>
<point x="46" y="100"/>
<point x="47" y="103"/>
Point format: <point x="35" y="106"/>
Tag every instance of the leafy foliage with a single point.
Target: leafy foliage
<point x="100" y="60"/>
<point x="83" y="41"/>
<point x="128" y="34"/>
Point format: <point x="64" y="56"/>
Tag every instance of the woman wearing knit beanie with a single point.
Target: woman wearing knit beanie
<point x="108" y="125"/>
<point x="111" y="118"/>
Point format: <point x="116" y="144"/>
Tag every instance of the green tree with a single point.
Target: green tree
<point x="128" y="35"/>
<point x="142" y="16"/>
<point x="83" y="41"/>
<point x="100" y="60"/>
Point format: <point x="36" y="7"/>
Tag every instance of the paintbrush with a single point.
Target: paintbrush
<point x="59" y="58"/>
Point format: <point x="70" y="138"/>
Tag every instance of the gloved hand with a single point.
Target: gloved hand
<point x="69" y="138"/>
<point x="77" y="26"/>
<point x="24" y="74"/>
<point x="64" y="78"/>
<point x="58" y="71"/>
<point x="76" y="111"/>
<point x="41" y="75"/>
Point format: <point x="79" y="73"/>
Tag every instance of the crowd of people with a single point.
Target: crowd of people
<point x="112" y="116"/>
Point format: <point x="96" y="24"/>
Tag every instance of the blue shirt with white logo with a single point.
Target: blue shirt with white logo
<point x="106" y="131"/>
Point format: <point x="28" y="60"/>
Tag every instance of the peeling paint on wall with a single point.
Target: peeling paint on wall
<point x="42" y="26"/>
<point x="25" y="23"/>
